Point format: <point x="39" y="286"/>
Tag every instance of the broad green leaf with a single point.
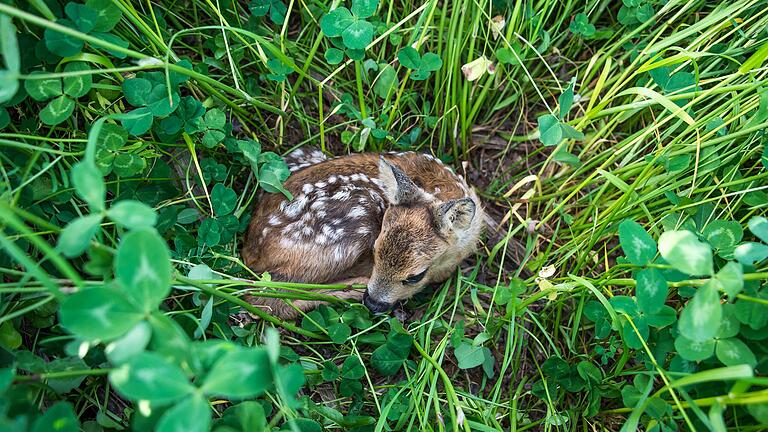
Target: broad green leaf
<point x="223" y="200"/>
<point x="330" y="371"/>
<point x="9" y="47"/>
<point x="694" y="351"/>
<point x="10" y="339"/>
<point x="732" y="352"/>
<point x="339" y="332"/>
<point x="364" y="8"/>
<point x="409" y="58"/>
<point x="352" y="369"/>
<point x="730" y="325"/>
<point x="240" y="374"/>
<point x="158" y="102"/>
<point x="759" y="227"/>
<point x="334" y="56"/>
<point x="58" y="418"/>
<point x="760" y="411"/>
<point x="98" y="314"/>
<point x="143" y="268"/>
<point x="638" y="246"/>
<point x="651" y="290"/>
<point x="358" y="35"/>
<point x="130" y="344"/>
<point x="750" y="253"/>
<point x="83" y="16"/>
<point x="386" y="81"/>
<point x="701" y="317"/>
<point x="57" y="111"/>
<point x="336" y="21"/>
<point x="193" y="414"/>
<point x="107" y="14"/>
<point x="77" y="235"/>
<point x="112" y="136"/>
<point x="731" y="279"/>
<point x="555" y="367"/>
<point x="77" y="85"/>
<point x="137" y="91"/>
<point x="723" y="234"/>
<point x="132" y="214"/>
<point x="212" y="137"/>
<point x="5" y="118"/>
<point x="89" y="184"/>
<point x="42" y="89"/>
<point x="431" y="62"/>
<point x="273" y="172"/>
<point x="589" y="372"/>
<point x="61" y="44"/>
<point x="566" y="100"/>
<point x="390" y="357"/>
<point x="128" y="164"/>
<point x="550" y="132"/>
<point x="634" y="338"/>
<point x="662" y="318"/>
<point x="512" y="56"/>
<point x="686" y="253"/>
<point x="138" y="121"/>
<point x="149" y="376"/>
<point x="469" y="355"/>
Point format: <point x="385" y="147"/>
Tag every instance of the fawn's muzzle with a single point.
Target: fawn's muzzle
<point x="374" y="305"/>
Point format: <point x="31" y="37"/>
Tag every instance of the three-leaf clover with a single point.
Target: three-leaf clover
<point x="95" y="17"/>
<point x="553" y="129"/>
<point x="351" y="26"/>
<point x="422" y="66"/>
<point x="109" y="158"/>
<point x="276" y="9"/>
<point x="149" y="92"/>
<point x="581" y="25"/>
<point x="62" y="90"/>
<point x="279" y="70"/>
<point x="213" y="125"/>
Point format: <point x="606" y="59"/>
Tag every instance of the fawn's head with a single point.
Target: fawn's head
<point x="417" y="233"/>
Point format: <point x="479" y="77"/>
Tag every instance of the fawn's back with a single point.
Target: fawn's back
<point x="396" y="222"/>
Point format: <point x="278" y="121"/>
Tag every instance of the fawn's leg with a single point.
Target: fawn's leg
<point x="281" y="308"/>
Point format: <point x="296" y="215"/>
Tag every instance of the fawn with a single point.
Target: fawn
<point x="395" y="222"/>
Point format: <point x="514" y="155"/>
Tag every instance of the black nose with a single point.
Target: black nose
<point x="375" y="306"/>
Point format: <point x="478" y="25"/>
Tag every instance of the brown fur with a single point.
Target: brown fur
<point x="380" y="231"/>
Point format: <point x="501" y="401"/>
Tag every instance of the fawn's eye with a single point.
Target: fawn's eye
<point x="413" y="279"/>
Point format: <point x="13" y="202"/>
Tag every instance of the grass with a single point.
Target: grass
<point x="673" y="112"/>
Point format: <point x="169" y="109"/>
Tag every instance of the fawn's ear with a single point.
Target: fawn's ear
<point x="455" y="215"/>
<point x="398" y="187"/>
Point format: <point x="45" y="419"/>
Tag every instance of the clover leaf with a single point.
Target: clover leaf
<point x="581" y="26"/>
<point x="279" y="70"/>
<point x="422" y="66"/>
<point x="95" y="17"/>
<point x="276" y="9"/>
<point x="63" y="90"/>
<point x="213" y="124"/>
<point x="351" y="26"/>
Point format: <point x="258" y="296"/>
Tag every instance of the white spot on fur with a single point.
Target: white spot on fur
<point x="341" y="195"/>
<point x="307" y="188"/>
<point x="357" y="211"/>
<point x="364" y="230"/>
<point x="321" y="184"/>
<point x="318" y="204"/>
<point x="274" y="220"/>
<point x="295" y="207"/>
<point x="332" y="179"/>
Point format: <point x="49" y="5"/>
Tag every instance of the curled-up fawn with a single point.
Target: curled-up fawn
<point x="395" y="222"/>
